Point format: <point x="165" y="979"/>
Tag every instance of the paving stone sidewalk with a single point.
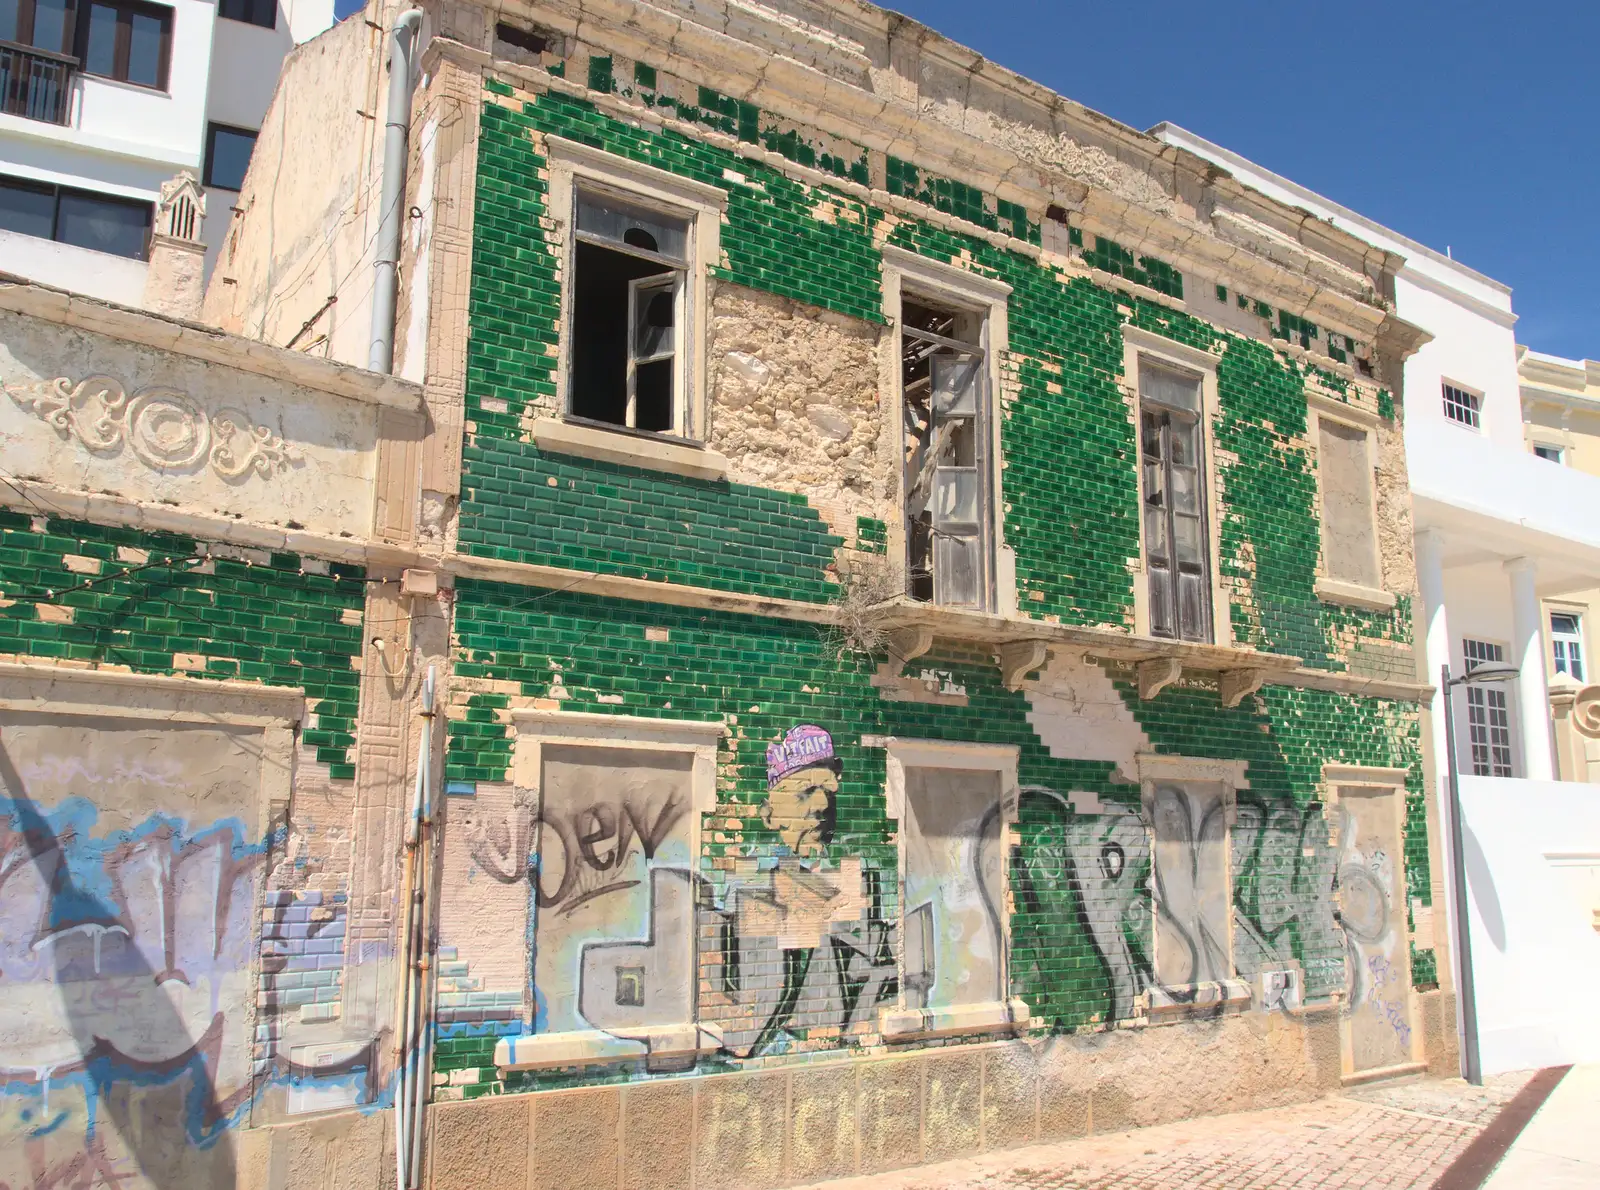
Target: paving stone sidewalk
<point x="1390" y="1136"/>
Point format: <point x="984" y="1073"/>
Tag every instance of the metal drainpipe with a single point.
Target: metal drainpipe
<point x="380" y="358"/>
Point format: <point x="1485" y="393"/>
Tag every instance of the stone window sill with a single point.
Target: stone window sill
<point x="631" y="450"/>
<point x="1181" y="1002"/>
<point x="908" y="1024"/>
<point x="1332" y="590"/>
<point x="548" y="1051"/>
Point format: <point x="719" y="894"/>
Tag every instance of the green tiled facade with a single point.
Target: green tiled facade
<point x="280" y="621"/>
<point x="1070" y="515"/>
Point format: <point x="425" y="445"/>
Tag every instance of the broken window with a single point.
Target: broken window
<point x="946" y="456"/>
<point x="1177" y="552"/>
<point x="630" y="268"/>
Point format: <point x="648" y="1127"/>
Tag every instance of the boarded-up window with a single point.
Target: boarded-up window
<point x="954" y="892"/>
<point x="1349" y="535"/>
<point x="1191" y="885"/>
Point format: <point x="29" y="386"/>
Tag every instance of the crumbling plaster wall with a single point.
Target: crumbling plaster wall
<point x="305" y="221"/>
<point x="795" y="403"/>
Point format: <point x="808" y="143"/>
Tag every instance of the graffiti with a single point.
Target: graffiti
<point x="1191" y="885"/>
<point x="612" y="890"/>
<point x="1097" y="868"/>
<point x="1283" y="881"/>
<point x="1374" y="925"/>
<point x="953" y="932"/>
<point x="126" y="946"/>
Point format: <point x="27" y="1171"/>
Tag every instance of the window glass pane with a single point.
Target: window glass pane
<point x="955" y="385"/>
<point x="144" y="49"/>
<point x="1155" y="533"/>
<point x="1563" y="624"/>
<point x="1186" y="539"/>
<point x="50" y="25"/>
<point x="1180" y="442"/>
<point x="1169" y="387"/>
<point x="230" y="156"/>
<point x="956" y="570"/>
<point x="604" y="216"/>
<point x="1161" y="602"/>
<point x="8" y="19"/>
<point x="955" y="496"/>
<point x="106" y="225"/>
<point x="29" y="210"/>
<point x="100" y="49"/>
<point x="1185" y="490"/>
<point x="653" y="312"/>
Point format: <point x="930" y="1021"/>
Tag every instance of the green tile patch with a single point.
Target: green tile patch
<point x="285" y="621"/>
<point x="1111" y="257"/>
<point x="529" y="505"/>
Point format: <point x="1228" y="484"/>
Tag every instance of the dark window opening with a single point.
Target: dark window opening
<point x="1177" y="550"/>
<point x="947" y="490"/>
<point x="251" y="12"/>
<point x="628" y="290"/>
<point x="119" y="226"/>
<point x="128" y="42"/>
<point x="522" y="39"/>
<point x="227" y="155"/>
<point x="1461" y="406"/>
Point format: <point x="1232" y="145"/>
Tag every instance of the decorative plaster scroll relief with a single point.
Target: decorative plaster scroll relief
<point x="165" y="428"/>
<point x="1586" y="712"/>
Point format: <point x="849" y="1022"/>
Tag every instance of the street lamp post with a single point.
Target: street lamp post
<point x="1471" y="1068"/>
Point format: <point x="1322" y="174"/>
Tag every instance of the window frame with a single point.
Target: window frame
<point x="1328" y="587"/>
<point x="1446" y="387"/>
<point x="574" y="167"/>
<point x="700" y="739"/>
<point x="57" y="191"/>
<point x="1157" y="770"/>
<point x="1139" y="344"/>
<point x="212" y="128"/>
<point x="1578" y="638"/>
<point x="1515" y="763"/>
<point x="1560" y="452"/>
<point x="906" y="274"/>
<point x="270" y="5"/>
<point x="898" y="1021"/>
<point x="125" y="11"/>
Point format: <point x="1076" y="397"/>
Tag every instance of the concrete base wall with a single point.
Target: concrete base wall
<point x="811" y="1121"/>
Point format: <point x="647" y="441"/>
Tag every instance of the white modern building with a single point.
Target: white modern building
<point x="1503" y="451"/>
<point x="103" y="101"/>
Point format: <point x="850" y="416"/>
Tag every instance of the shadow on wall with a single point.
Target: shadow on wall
<point x="137" y="1107"/>
<point x="1481" y="882"/>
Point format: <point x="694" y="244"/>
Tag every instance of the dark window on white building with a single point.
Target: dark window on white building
<point x="120" y="226"/>
<point x="251" y="12"/>
<point x="1488" y="714"/>
<point x="1566" y="641"/>
<point x="227" y="155"/>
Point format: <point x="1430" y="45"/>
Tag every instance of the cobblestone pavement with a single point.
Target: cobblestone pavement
<point x="1391" y="1136"/>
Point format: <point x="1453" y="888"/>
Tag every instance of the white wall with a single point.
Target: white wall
<point x="97" y="274"/>
<point x="142" y="121"/>
<point x="1533" y="874"/>
<point x="1470" y="349"/>
<point x="244" y="71"/>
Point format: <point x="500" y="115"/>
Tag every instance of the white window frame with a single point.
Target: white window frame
<point x="1327" y="587"/>
<point x="899" y="1023"/>
<point x="1577" y="612"/>
<point x="907" y="274"/>
<point x="1137" y="344"/>
<point x="572" y="167"/>
<point x="536" y="727"/>
<point x="1474" y="427"/>
<point x="1513" y="706"/>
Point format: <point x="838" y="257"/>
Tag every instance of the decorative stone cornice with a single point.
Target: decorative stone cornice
<point x="164" y="428"/>
<point x="206" y="343"/>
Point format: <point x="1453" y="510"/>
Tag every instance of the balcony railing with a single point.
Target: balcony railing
<point x="35" y="84"/>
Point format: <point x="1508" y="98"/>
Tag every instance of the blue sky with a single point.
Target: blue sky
<point x="1463" y="124"/>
